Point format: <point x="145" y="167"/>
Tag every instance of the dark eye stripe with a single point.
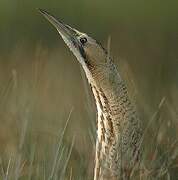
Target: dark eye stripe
<point x="82" y="52"/>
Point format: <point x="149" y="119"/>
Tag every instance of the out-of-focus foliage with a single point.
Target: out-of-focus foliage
<point x="41" y="85"/>
<point x="20" y="20"/>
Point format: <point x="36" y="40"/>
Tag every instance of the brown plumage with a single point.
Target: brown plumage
<point x="118" y="125"/>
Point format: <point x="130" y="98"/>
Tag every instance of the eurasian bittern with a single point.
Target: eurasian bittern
<point x="118" y="125"/>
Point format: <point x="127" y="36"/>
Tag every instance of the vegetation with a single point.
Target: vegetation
<point x="47" y="114"/>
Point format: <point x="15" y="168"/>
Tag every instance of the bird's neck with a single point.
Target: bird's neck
<point x="108" y="89"/>
<point x="113" y="109"/>
<point x="110" y="104"/>
<point x="118" y="125"/>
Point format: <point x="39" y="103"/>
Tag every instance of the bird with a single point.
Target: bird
<point x="119" y="131"/>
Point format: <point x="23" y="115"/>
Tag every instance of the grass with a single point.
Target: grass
<point x="48" y="119"/>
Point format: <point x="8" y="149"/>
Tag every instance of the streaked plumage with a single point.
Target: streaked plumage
<point x="118" y="125"/>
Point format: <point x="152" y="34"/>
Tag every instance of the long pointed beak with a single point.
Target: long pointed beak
<point x="64" y="30"/>
<point x="68" y="34"/>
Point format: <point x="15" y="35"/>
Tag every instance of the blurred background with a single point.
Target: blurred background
<point x="47" y="113"/>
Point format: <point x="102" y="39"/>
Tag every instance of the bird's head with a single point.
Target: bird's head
<point x="90" y="54"/>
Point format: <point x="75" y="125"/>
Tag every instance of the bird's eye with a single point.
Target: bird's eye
<point x="83" y="40"/>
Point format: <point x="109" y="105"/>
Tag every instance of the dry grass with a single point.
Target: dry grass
<point x="48" y="119"/>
